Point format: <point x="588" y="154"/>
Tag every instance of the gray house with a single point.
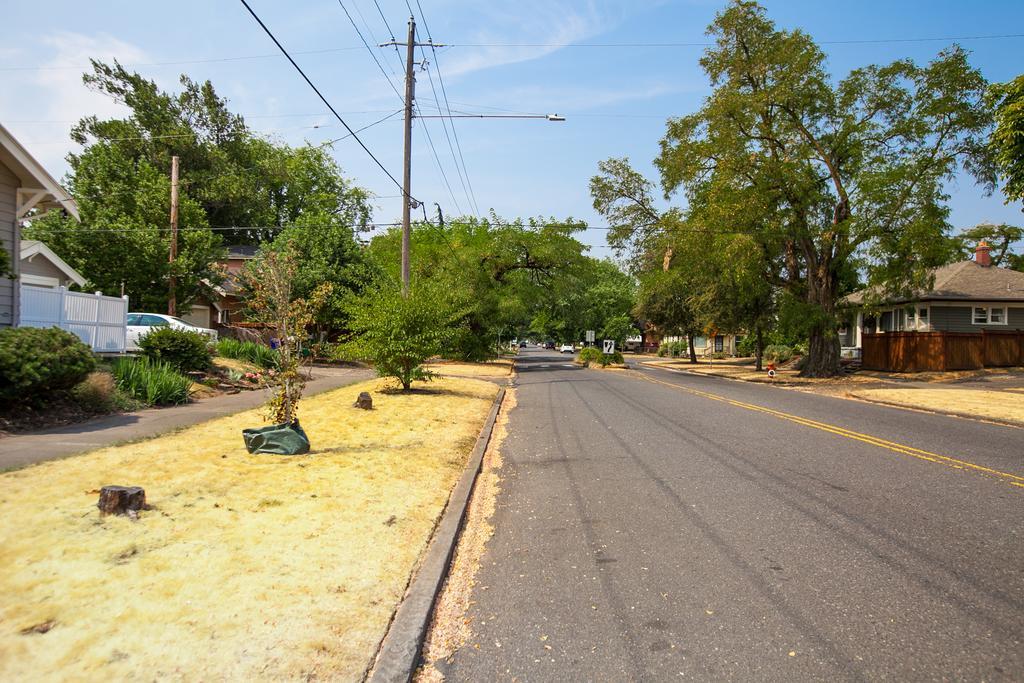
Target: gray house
<point x="969" y="296"/>
<point x="24" y="185"/>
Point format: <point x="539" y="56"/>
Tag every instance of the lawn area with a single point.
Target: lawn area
<point x="743" y="368"/>
<point x="998" y="405"/>
<point x="247" y="567"/>
<point x="500" y="367"/>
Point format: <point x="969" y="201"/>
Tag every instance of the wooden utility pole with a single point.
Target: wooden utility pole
<point x="172" y="300"/>
<point x="410" y="93"/>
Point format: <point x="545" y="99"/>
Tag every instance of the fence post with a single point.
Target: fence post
<point x="124" y="328"/>
<point x="62" y="317"/>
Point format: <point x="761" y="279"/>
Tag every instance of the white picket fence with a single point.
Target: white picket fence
<point x="99" y="321"/>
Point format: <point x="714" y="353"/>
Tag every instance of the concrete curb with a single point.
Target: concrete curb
<point x="399" y="653"/>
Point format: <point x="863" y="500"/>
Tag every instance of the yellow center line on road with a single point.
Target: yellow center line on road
<point x="850" y="434"/>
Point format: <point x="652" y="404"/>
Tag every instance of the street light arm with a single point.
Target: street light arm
<point x="549" y="117"/>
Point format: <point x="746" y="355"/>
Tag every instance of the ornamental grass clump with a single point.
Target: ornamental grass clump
<point x="250" y="352"/>
<point x="154" y="383"/>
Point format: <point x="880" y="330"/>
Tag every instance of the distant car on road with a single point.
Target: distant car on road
<point x="549" y="345"/>
<point x="140" y="324"/>
<point x="566" y="348"/>
<point x="522" y="344"/>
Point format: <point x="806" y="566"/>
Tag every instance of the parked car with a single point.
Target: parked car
<point x="549" y="345"/>
<point x="522" y="344"/>
<point x="139" y="324"/>
<point x="566" y="348"/>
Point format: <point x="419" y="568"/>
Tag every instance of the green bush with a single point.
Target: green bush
<point x="664" y="349"/>
<point x="35" y="363"/>
<point x="777" y="353"/>
<point x="250" y="352"/>
<point x="399" y="333"/>
<point x="183" y="350"/>
<point x="153" y="382"/>
<point x="590" y="354"/>
<point x="609" y="358"/>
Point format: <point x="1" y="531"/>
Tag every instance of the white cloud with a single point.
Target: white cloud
<point x="48" y="101"/>
<point x="545" y="25"/>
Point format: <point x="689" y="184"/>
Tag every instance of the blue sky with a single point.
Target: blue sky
<point x="615" y="100"/>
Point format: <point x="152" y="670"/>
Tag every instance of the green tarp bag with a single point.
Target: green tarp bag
<point x="282" y="439"/>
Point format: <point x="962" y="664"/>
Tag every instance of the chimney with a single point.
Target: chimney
<point x="981" y="254"/>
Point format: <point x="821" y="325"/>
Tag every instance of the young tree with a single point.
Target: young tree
<point x="849" y="169"/>
<point x="398" y="333"/>
<point x="270" y="287"/>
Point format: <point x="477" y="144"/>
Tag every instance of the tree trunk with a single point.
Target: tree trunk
<point x="758" y="348"/>
<point x="823" y="343"/>
<point x="693" y="350"/>
<point x="822" y="353"/>
<point x="121" y="500"/>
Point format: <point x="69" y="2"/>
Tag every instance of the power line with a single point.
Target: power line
<point x="209" y="60"/>
<point x="437" y="160"/>
<point x="320" y="95"/>
<point x="372" y="54"/>
<point x="440" y="78"/>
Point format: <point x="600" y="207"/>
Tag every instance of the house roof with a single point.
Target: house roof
<point x="35" y="180"/>
<point x="962" y="281"/>
<point x="242" y="251"/>
<point x="30" y="248"/>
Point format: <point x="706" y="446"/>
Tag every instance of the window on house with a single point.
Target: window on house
<point x="989" y="316"/>
<point x="922" y="318"/>
<point x="223" y="316"/>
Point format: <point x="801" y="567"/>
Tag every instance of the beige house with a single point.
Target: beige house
<point x="24" y="185"/>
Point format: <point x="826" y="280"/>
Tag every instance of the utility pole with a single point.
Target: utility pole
<point x="172" y="301"/>
<point x="410" y="93"/>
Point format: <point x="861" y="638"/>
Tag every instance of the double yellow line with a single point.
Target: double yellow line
<point x="945" y="460"/>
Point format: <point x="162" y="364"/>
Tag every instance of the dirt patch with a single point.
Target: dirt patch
<point x="451" y="628"/>
<point x="991" y="405"/>
<point x="247" y="567"/>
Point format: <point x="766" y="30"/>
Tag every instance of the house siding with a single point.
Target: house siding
<point x="8" y="288"/>
<point x="40" y="265"/>
<point x="958" y="319"/>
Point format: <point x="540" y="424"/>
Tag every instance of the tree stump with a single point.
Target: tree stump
<point x="121" y="500"/>
<point x="365" y="401"/>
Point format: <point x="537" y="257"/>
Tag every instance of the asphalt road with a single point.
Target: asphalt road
<point x="656" y="525"/>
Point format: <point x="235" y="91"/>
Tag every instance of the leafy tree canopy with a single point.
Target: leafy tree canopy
<point x="235" y="188"/>
<point x="1008" y="137"/>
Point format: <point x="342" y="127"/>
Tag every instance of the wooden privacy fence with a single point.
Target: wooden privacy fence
<point x="940" y="351"/>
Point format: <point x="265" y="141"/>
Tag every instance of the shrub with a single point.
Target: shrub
<point x="36" y="362"/>
<point x="397" y="333"/>
<point x="96" y="392"/>
<point x="590" y="355"/>
<point x="182" y="349"/>
<point x="609" y="358"/>
<point x="777" y="353"/>
<point x="679" y="348"/>
<point x="250" y="352"/>
<point x="152" y="382"/>
<point x="664" y="349"/>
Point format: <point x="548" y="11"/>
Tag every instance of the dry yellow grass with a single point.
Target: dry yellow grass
<point x="501" y="367"/>
<point x="996" y="405"/>
<point x="248" y="567"/>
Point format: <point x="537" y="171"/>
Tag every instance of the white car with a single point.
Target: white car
<point x="566" y="348"/>
<point x="139" y="324"/>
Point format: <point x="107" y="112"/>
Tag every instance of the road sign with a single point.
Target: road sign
<point x="590" y="336"/>
<point x="609" y="346"/>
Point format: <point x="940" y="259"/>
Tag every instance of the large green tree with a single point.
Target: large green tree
<point x="510" y="274"/>
<point x="235" y="188"/>
<point x="1008" y="137"/>
<point x="849" y="169"/>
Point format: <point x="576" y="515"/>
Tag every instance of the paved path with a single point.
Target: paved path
<point x="25" y="449"/>
<point x="653" y="525"/>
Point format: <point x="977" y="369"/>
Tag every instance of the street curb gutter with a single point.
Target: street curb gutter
<point x="399" y="652"/>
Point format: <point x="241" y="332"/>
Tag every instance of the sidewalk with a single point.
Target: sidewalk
<point x="49" y="444"/>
